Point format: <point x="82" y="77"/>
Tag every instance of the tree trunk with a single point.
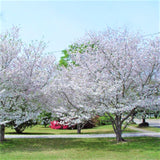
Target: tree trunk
<point x="144" y="123"/>
<point x="156" y="115"/>
<point x="79" y="128"/>
<point x="119" y="137"/>
<point x="143" y="120"/>
<point x="119" y="134"/>
<point x="2" y="130"/>
<point x="117" y="126"/>
<point x="20" y="129"/>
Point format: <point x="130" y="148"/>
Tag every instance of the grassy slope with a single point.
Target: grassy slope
<point x="142" y="148"/>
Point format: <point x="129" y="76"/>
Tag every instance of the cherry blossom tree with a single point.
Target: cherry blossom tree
<point x="24" y="72"/>
<point x="69" y="109"/>
<point x="65" y="101"/>
<point x="116" y="77"/>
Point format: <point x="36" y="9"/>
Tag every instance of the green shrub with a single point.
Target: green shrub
<point x="45" y="118"/>
<point x="104" y="120"/>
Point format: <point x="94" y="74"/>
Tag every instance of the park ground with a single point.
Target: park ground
<point x="134" y="148"/>
<point x="139" y="148"/>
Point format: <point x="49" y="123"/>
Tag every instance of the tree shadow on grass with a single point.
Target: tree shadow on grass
<point x="60" y="133"/>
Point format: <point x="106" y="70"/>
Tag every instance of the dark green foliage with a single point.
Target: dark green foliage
<point x="146" y="124"/>
<point x="157" y="114"/>
<point x="104" y="120"/>
<point x="45" y="118"/>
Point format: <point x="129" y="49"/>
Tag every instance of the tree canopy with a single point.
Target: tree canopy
<point x="117" y="76"/>
<point x="25" y="70"/>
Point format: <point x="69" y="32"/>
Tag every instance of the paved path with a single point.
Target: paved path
<point x="150" y="134"/>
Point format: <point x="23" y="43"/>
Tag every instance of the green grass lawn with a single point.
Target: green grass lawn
<point x="38" y="129"/>
<point x="152" y="129"/>
<point x="142" y="148"/>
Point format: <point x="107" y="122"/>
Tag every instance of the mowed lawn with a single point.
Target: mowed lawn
<point x="38" y="130"/>
<point x="141" y="148"/>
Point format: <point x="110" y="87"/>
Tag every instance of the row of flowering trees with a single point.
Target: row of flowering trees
<point x="114" y="73"/>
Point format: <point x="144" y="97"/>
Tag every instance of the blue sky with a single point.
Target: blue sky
<point x="62" y="22"/>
